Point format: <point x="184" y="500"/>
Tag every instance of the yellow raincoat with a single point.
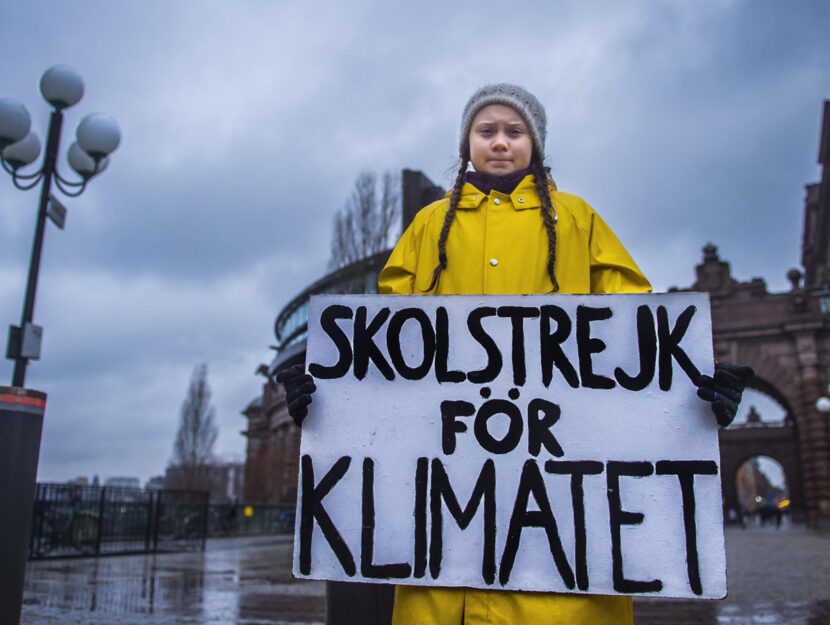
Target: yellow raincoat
<point x="497" y="244"/>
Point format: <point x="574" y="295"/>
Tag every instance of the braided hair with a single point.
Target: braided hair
<point x="448" y="218"/>
<point x="549" y="217"/>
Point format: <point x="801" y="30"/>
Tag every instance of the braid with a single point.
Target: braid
<point x="540" y="177"/>
<point x="445" y="230"/>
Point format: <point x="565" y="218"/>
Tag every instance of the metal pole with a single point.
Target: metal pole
<point x="101" y="500"/>
<point x="49" y="160"/>
<point x="21" y="423"/>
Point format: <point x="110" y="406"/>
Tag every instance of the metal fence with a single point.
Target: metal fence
<point x="73" y="520"/>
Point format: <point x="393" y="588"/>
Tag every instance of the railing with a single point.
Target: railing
<point x="73" y="520"/>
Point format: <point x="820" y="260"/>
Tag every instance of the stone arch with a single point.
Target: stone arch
<point x="766" y="387"/>
<point x="779" y="442"/>
<point x="768" y="369"/>
<point x="773" y="377"/>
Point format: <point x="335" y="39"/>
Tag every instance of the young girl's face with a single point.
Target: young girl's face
<point x="499" y="140"/>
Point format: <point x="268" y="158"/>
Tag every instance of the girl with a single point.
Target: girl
<point x="505" y="229"/>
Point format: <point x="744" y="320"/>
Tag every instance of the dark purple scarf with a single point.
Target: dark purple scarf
<point x="486" y="182"/>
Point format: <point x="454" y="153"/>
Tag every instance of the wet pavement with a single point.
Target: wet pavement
<point x="774" y="578"/>
<point x="235" y="580"/>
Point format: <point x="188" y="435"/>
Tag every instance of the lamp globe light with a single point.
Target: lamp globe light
<point x="23" y="152"/>
<point x="98" y="135"/>
<point x="61" y="86"/>
<point x="83" y="163"/>
<point x="14" y="121"/>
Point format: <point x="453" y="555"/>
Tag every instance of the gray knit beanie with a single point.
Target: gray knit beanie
<point x="524" y="102"/>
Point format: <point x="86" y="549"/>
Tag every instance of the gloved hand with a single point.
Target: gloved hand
<point x="299" y="386"/>
<point x="724" y="390"/>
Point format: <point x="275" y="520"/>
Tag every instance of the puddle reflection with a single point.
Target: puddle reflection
<point x="221" y="585"/>
<point x="249" y="582"/>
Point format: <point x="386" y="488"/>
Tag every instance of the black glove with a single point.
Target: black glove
<point x="299" y="386"/>
<point x="724" y="391"/>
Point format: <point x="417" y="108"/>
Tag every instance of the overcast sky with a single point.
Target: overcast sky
<point x="244" y="124"/>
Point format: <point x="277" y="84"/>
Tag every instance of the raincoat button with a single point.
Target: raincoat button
<point x="493" y="261"/>
<point x="475" y="197"/>
<point x="521" y="200"/>
<point x="496" y="201"/>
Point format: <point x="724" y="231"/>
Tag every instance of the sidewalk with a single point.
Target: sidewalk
<point x="774" y="577"/>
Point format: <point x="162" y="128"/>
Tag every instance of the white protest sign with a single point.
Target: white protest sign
<point x="546" y="443"/>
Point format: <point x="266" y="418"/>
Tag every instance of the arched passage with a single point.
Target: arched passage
<point x="762" y="491"/>
<point x="765" y="427"/>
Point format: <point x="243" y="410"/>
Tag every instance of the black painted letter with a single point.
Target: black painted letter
<point x="442" y="344"/>
<point x="393" y="343"/>
<point x="421" y="517"/>
<point x="450" y="426"/>
<point x="587" y="346"/>
<point x="531" y="482"/>
<point x="647" y="343"/>
<point x="620" y="517"/>
<point x="669" y="341"/>
<point x="441" y="491"/>
<point x="311" y="509"/>
<point x="577" y="470"/>
<point x="494" y="360"/>
<point x="517" y="315"/>
<point x="365" y="348"/>
<point x="338" y="337"/>
<point x="367" y="534"/>
<point x="490" y="409"/>
<point x="551" y="345"/>
<point x="538" y="429"/>
<point x="685" y="470"/>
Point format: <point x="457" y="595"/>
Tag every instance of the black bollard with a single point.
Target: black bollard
<point x="21" y="422"/>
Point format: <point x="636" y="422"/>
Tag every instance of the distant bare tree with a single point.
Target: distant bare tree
<point x="365" y="225"/>
<point x="193" y="449"/>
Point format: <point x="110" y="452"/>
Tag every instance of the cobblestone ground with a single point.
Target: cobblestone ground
<point x="774" y="578"/>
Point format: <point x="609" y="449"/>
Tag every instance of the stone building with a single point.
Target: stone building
<point x="784" y="336"/>
<point x="222" y="480"/>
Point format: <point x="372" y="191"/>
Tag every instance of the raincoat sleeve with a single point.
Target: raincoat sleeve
<point x="612" y="268"/>
<point x="398" y="276"/>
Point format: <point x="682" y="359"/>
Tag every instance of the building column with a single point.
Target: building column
<point x="814" y="441"/>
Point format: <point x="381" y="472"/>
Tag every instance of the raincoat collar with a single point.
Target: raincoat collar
<point x="524" y="196"/>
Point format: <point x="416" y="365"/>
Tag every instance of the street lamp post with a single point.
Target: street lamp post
<point x="97" y="136"/>
<point x="21" y="409"/>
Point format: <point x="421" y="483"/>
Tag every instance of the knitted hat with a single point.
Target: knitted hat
<point x="524" y="102"/>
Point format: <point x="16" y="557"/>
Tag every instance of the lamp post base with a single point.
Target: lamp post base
<point x="21" y="424"/>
